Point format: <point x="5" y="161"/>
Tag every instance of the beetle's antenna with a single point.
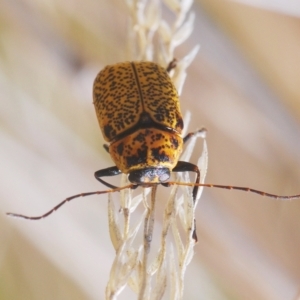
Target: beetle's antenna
<point x="130" y="186"/>
<point x="166" y="184"/>
<point x="232" y="187"/>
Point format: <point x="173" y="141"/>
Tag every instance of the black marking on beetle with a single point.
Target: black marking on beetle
<point x="140" y="137"/>
<point x="158" y="136"/>
<point x="159" y="155"/>
<point x="174" y="142"/>
<point x="145" y="120"/>
<point x="179" y="123"/>
<point x="109" y="131"/>
<point x="120" y="149"/>
<point x="138" y="84"/>
<point x="140" y="158"/>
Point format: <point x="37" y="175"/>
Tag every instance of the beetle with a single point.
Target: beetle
<point x="138" y="111"/>
<point x="137" y="108"/>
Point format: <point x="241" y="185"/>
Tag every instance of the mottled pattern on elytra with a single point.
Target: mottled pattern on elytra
<point x="159" y="95"/>
<point x="123" y="91"/>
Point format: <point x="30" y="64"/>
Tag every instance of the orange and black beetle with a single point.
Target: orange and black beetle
<point x="137" y="107"/>
<point x="138" y="111"/>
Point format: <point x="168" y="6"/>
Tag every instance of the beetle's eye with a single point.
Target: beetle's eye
<point x="136" y="177"/>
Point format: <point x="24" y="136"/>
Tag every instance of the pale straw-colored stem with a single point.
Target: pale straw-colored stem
<point x="152" y="38"/>
<point x="148" y="234"/>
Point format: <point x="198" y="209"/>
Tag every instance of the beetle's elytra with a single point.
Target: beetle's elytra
<point x="138" y="111"/>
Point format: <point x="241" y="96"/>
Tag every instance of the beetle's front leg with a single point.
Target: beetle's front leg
<point x="111" y="171"/>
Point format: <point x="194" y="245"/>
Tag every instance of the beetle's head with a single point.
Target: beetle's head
<point x="149" y="175"/>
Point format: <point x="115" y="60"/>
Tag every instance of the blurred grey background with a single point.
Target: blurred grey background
<point x="243" y="87"/>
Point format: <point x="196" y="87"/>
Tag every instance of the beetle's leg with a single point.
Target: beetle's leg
<point x="172" y="65"/>
<point x="111" y="171"/>
<point x="184" y="166"/>
<point x="106" y="147"/>
<point x="189" y="135"/>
